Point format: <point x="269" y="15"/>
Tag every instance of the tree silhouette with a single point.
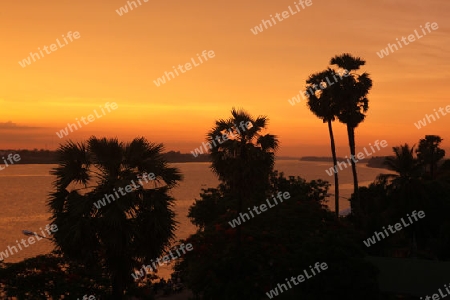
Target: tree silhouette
<point x="134" y="228"/>
<point x="353" y="104"/>
<point x="243" y="158"/>
<point x="429" y="153"/>
<point x="405" y="164"/>
<point x="323" y="105"/>
<point x="406" y="187"/>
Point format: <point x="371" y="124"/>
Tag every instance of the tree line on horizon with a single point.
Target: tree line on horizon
<point x="44" y="156"/>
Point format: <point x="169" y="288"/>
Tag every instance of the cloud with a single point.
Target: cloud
<point x="8" y="124"/>
<point x="14" y="126"/>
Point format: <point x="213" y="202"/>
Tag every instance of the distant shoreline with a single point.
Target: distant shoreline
<point x="372" y="162"/>
<point x="46" y="157"/>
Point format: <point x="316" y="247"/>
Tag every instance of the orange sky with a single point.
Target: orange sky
<point x="117" y="58"/>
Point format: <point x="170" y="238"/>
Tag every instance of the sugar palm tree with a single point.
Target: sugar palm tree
<point x="242" y="157"/>
<point x="322" y="104"/>
<point x="135" y="227"/>
<point x="353" y="104"/>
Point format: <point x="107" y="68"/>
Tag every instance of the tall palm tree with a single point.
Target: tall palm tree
<point x="322" y="104"/>
<point x="242" y="157"/>
<point x="353" y="104"/>
<point x="135" y="227"/>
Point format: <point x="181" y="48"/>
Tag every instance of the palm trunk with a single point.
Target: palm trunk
<point x="413" y="250"/>
<point x="240" y="189"/>
<point x="336" y="180"/>
<point x="351" y="141"/>
<point x="239" y="229"/>
<point x="432" y="164"/>
<point x="117" y="287"/>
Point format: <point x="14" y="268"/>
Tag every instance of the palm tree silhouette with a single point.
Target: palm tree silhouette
<point x="406" y="187"/>
<point x="405" y="164"/>
<point x="243" y="158"/>
<point x="132" y="229"/>
<point x="429" y="153"/>
<point x="353" y="103"/>
<point x="322" y="104"/>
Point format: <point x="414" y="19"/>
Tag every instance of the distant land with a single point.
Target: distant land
<point x="372" y="162"/>
<point x="49" y="157"/>
<point x="378" y="162"/>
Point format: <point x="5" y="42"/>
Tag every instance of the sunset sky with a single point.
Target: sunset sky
<point x="118" y="58"/>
